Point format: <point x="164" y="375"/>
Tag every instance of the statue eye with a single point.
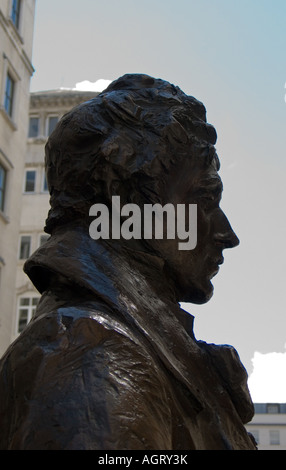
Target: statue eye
<point x="208" y="198"/>
<point x="209" y="201"/>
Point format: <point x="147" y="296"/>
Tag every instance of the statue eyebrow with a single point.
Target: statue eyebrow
<point x="211" y="185"/>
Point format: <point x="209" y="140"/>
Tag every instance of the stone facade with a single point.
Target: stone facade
<point x="16" y="41"/>
<point x="268" y="426"/>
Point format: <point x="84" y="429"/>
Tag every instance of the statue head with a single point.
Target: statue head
<point x="146" y="141"/>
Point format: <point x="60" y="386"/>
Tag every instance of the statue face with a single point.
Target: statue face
<point x="192" y="270"/>
<point x="184" y="179"/>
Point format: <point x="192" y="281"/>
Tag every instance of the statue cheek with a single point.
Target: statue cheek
<point x="204" y="226"/>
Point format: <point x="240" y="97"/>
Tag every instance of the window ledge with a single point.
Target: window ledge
<point x="4" y="217"/>
<point x="8" y="118"/>
<point x="37" y="140"/>
<point x="16" y="31"/>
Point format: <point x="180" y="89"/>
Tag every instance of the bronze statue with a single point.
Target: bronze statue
<point x="110" y="360"/>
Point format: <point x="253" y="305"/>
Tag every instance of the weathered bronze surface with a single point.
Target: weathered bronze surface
<point x="110" y="360"/>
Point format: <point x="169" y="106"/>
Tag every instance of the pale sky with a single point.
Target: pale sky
<point x="231" y="55"/>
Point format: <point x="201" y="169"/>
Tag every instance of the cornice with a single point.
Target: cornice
<point x="66" y="98"/>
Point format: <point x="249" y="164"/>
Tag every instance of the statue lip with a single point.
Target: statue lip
<point x="216" y="265"/>
<point x="214" y="272"/>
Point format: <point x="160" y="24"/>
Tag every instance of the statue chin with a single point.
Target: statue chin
<point x="198" y="295"/>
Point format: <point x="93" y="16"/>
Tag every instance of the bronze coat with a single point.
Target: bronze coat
<point x="108" y="364"/>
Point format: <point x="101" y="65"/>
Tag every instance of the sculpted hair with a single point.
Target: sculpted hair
<point x="122" y="142"/>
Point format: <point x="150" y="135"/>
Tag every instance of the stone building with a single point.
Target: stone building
<point x="46" y="108"/>
<point x="16" y="41"/>
<point x="268" y="426"/>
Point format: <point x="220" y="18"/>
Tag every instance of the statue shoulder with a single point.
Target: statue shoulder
<point x="233" y="375"/>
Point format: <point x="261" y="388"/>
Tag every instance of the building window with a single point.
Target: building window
<point x="33" y="127"/>
<point x="30" y="181"/>
<point x="25" y="247"/>
<point x="43" y="239"/>
<point x="3" y="174"/>
<point x="15" y="13"/>
<point x="45" y="184"/>
<point x="52" y="122"/>
<point x="274" y="437"/>
<point x="273" y="408"/>
<point x="26" y="309"/>
<point x="9" y="95"/>
<point x="255" y="434"/>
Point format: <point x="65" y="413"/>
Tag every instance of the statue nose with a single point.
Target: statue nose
<point x="224" y="234"/>
<point x="227" y="239"/>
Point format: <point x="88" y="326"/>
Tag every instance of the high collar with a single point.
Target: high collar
<point x="112" y="274"/>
